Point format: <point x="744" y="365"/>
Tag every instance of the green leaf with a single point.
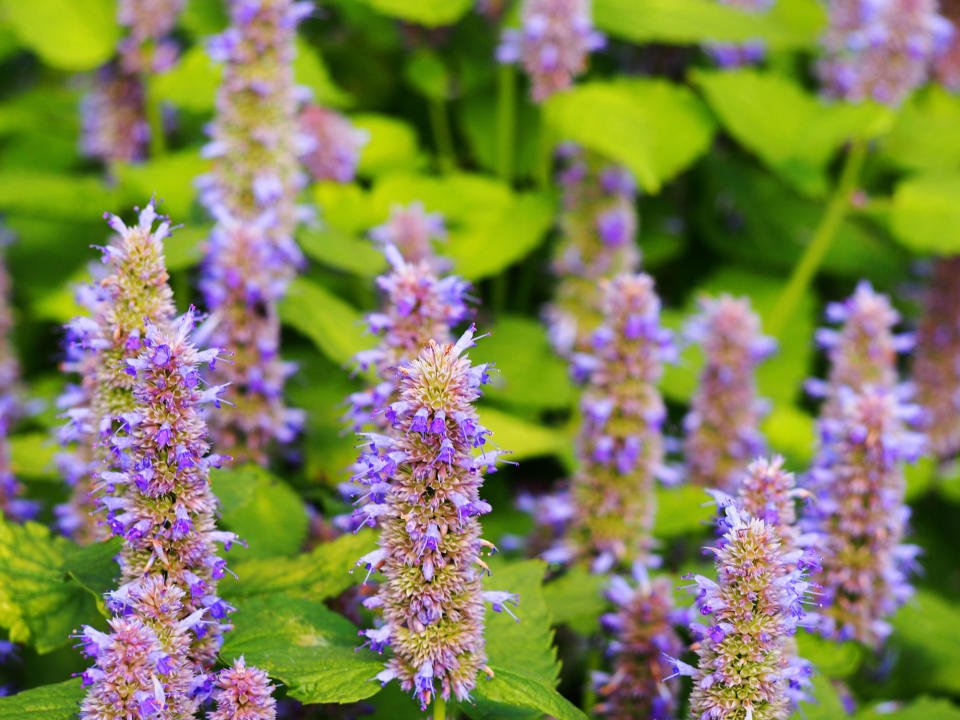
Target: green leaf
<point x="65" y="34"/>
<point x="830" y="658"/>
<point x="524" y="439"/>
<point x="94" y="566"/>
<point x="478" y="120"/>
<point x="262" y="509"/>
<point x="31" y="455"/>
<point x="790" y="431"/>
<point x="39" y="602"/>
<point x="927" y="630"/>
<point x="924" y="708"/>
<point x="826" y="705"/>
<point x="331" y="323"/>
<point x="424" y="12"/>
<point x="346" y="207"/>
<point x="204" y="17"/>
<point x="307" y="646"/>
<point x="48" y="702"/>
<point x="191" y="84"/>
<point x="792" y="131"/>
<point x="324" y="572"/>
<point x="515" y="695"/>
<point x="576" y="599"/>
<point x="683" y="510"/>
<point x="926" y="214"/>
<point x="790" y="24"/>
<point x="652" y="126"/>
<point x="183" y="249"/>
<point x="923" y="137"/>
<point x="529" y="373"/>
<point x="49" y="195"/>
<point x="392" y="145"/>
<point x="343" y="251"/>
<point x="426" y="73"/>
<point x="310" y="70"/>
<point x="169" y="178"/>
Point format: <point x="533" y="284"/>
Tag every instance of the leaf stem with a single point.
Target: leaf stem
<point x="442" y="134"/>
<point x="439" y="709"/>
<point x="837" y="209"/>
<point x="506" y="121"/>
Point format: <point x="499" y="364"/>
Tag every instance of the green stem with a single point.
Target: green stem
<point x="442" y="134"/>
<point x="439" y="709"/>
<point x="806" y="269"/>
<point x="506" y="121"/>
<point x="158" y="143"/>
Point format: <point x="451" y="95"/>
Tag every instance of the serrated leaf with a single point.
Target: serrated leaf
<point x="47" y="702"/>
<point x="94" y="566"/>
<point x="509" y="692"/>
<point x="522" y="438"/>
<point x="331" y="323"/>
<point x="262" y="509"/>
<point x="576" y="599"/>
<point x="307" y="646"/>
<point x="425" y="12"/>
<point x="65" y="34"/>
<point x="652" y="126"/>
<point x="926" y="214"/>
<point x="324" y="572"/>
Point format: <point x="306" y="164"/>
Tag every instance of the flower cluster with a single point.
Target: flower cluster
<point x="881" y="49"/>
<point x="643" y="626"/>
<point x="748" y="666"/>
<point x="553" y="45"/>
<point x="427" y="479"/>
<point x="114" y="127"/>
<point x="620" y="443"/>
<point x="251" y="255"/>
<point x="769" y="492"/>
<point x="731" y="55"/>
<point x="936" y="360"/>
<point x="146" y="48"/>
<point x="860" y="514"/>
<point x="947" y="66"/>
<point x="335" y="144"/>
<point x="243" y="693"/>
<point x="135" y="287"/>
<point x="413" y="231"/>
<point x="722" y="427"/>
<point x="598" y="222"/>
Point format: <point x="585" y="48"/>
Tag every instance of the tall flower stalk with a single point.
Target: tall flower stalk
<point x="413" y="232"/>
<point x="134" y="287"/>
<point x="723" y="425"/>
<point x="251" y="254"/>
<point x="334" y="144"/>
<point x="620" y="443"/>
<point x="432" y="601"/>
<point x="936" y="359"/>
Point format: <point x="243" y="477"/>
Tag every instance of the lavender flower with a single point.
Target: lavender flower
<point x="620" y="444"/>
<point x="114" y="127"/>
<point x="413" y="231"/>
<point x="243" y="693"/>
<point x="643" y="628"/>
<point x="553" y="45"/>
<point x="598" y="223"/>
<point x="749" y="53"/>
<point x="747" y="661"/>
<point x="936" y="360"/>
<point x="335" y="148"/>
<point x="947" y="66"/>
<point x="134" y="287"/>
<point x="722" y="427"/>
<point x="147" y="48"/>
<point x="881" y="49"/>
<point x="432" y="598"/>
<point x="859" y="486"/>
<point x="769" y="492"/>
<point x="251" y="256"/>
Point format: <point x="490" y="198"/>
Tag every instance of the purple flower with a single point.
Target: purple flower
<point x="334" y="144"/>
<point x="113" y="117"/>
<point x="553" y="45"/>
<point x="147" y="48"/>
<point x="432" y="597"/>
<point x="243" y="692"/>
<point x="723" y="423"/>
<point x="413" y="232"/>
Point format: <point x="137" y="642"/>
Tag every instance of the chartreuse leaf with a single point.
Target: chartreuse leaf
<point x="790" y="431"/>
<point x="830" y="658"/>
<point x="310" y="70"/>
<point x="341" y="250"/>
<point x="192" y="83"/>
<point x="652" y="126"/>
<point x="527" y="371"/>
<point x="794" y="132"/>
<point x="307" y="646"/>
<point x="926" y="214"/>
<point x="490" y="227"/>
<point x="48" y="702"/>
<point x="262" y="509"/>
<point x="41" y="602"/>
<point x="423" y="12"/>
<point x="31" y="455"/>
<point x="927" y="632"/>
<point x="924" y="708"/>
<point x="790" y="24"/>
<point x="681" y="510"/>
<point x="168" y="177"/>
<point x="392" y="144"/>
<point x="826" y="704"/>
<point x="54" y="196"/>
<point x="93" y="566"/>
<point x="65" y="34"/>
<point x="576" y="599"/>
<point x="923" y="137"/>
<point x="523" y="438"/>
<point x="333" y="324"/>
<point x="521" y="655"/>
<point x="324" y="572"/>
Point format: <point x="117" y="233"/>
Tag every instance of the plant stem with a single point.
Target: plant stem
<point x="506" y="121"/>
<point x="806" y="269"/>
<point x="158" y="143"/>
<point x="439" y="709"/>
<point x="442" y="134"/>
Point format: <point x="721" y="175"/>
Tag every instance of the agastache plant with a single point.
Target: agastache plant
<point x="147" y="48"/>
<point x="413" y="232"/>
<point x="747" y="658"/>
<point x="135" y="287"/>
<point x="881" y="49"/>
<point x="334" y="144"/>
<point x="620" y="443"/>
<point x="735" y="55"/>
<point x="251" y="255"/>
<point x="936" y="359"/>
<point x="644" y="637"/>
<point x="553" y="45"/>
<point x="243" y="693"/>
<point x="431" y="470"/>
<point x="113" y="117"/>
<point x="860" y="514"/>
<point x="598" y="223"/>
<point x="722" y="427"/>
